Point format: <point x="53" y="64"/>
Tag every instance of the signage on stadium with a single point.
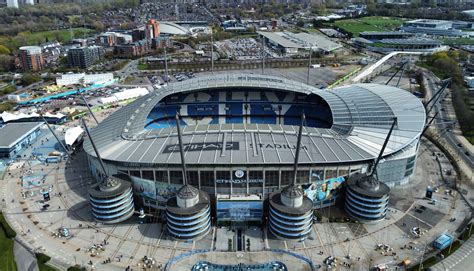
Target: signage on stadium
<point x="239" y="181"/>
<point x="278" y="146"/>
<point x="239" y="178"/>
<point x="208" y="146"/>
<point x="256" y="78"/>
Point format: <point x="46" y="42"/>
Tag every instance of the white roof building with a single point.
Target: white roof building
<point x="124" y="95"/>
<point x="82" y="78"/>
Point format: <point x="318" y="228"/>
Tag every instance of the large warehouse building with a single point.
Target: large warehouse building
<point x="239" y="135"/>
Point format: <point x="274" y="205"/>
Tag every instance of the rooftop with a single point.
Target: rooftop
<point x="414" y="41"/>
<point x="385" y="33"/>
<point x="12" y="133"/>
<point x="301" y="40"/>
<point x="282" y="41"/>
<point x="428" y="21"/>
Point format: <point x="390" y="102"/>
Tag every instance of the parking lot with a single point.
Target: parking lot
<point x="243" y="49"/>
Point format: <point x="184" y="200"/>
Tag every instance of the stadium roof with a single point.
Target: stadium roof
<point x="385" y="33"/>
<point x="362" y="115"/>
<point x="171" y="28"/>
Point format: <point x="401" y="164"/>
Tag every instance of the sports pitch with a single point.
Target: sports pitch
<point x="375" y="23"/>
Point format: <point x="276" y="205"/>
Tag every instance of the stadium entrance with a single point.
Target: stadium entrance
<point x="239" y="211"/>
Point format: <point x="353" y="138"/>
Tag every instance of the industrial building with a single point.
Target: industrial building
<point x="239" y="136"/>
<point x="288" y="43"/>
<point x="14" y="137"/>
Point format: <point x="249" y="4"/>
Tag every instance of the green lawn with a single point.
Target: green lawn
<point x="42" y="259"/>
<point x="143" y="66"/>
<point x="374" y="23"/>
<point x="27" y="38"/>
<point x="459" y="41"/>
<point x="7" y="259"/>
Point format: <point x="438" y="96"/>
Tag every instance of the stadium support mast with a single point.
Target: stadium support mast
<point x="54" y="134"/>
<point x="189" y="208"/>
<point x="95" y="148"/>
<point x="292" y="203"/>
<point x="88" y="107"/>
<point x="298" y="148"/>
<point x="105" y="195"/>
<point x="402" y="67"/>
<point x="437" y="95"/>
<point x="263" y="55"/>
<point x="366" y="197"/>
<point x="429" y="123"/>
<point x="181" y="148"/>
<point x="374" y="168"/>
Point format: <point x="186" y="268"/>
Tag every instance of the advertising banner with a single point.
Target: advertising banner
<point x="156" y="191"/>
<point x="323" y="190"/>
<point x="165" y="191"/>
<point x="144" y="188"/>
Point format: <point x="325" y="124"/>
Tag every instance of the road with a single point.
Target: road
<point x="128" y="69"/>
<point x="460" y="260"/>
<point x="443" y="125"/>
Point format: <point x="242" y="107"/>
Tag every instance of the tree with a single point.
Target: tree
<point x="6" y="106"/>
<point x="4" y="50"/>
<point x="5" y="63"/>
<point x="28" y="79"/>
<point x="300" y="23"/>
<point x="317" y="23"/>
<point x="371" y="6"/>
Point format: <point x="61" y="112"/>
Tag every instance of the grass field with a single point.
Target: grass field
<point x="27" y="38"/>
<point x="7" y="259"/>
<point x="374" y="23"/>
<point x="459" y="41"/>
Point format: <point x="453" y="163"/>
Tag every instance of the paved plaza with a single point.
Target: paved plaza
<point x="91" y="244"/>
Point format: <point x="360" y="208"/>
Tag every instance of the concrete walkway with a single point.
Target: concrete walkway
<point x="25" y="260"/>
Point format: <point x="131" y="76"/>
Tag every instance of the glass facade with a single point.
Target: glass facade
<point x="176" y="177"/>
<point x="250" y="181"/>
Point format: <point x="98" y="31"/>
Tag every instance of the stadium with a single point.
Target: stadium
<point x="239" y="135"/>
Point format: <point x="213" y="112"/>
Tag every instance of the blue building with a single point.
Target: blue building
<point x="14" y="137"/>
